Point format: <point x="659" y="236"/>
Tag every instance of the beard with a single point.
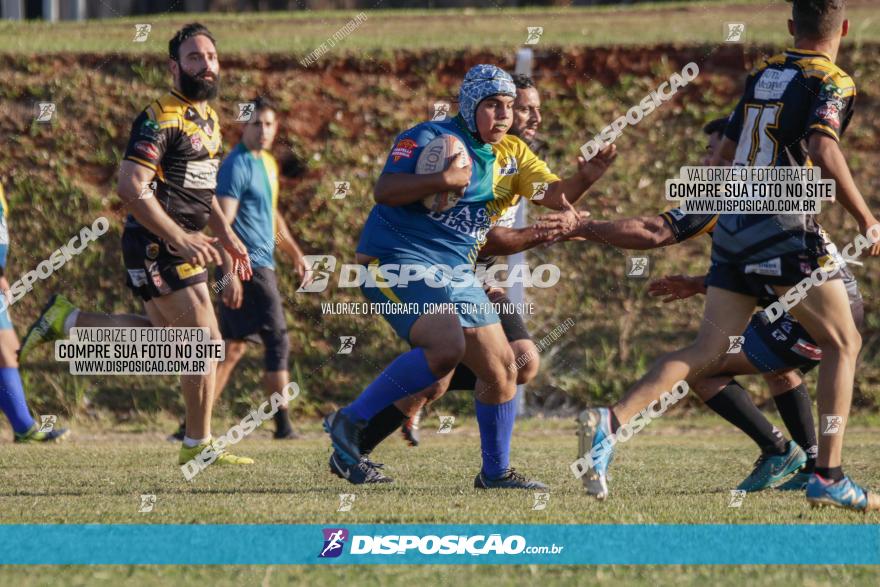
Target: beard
<point x="197" y="88"/>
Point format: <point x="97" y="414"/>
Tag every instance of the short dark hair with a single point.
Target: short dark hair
<point x="715" y="126"/>
<point x="263" y="103"/>
<point x="522" y="81"/>
<point x="189" y="31"/>
<point x="817" y="19"/>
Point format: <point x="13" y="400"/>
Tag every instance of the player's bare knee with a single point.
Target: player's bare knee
<point x="526" y="360"/>
<point x="433" y="392"/>
<point x="704" y="389"/>
<point x="783" y="381"/>
<point x="528" y="371"/>
<point x="235" y="350"/>
<point x="443" y="357"/>
<point x="846" y="342"/>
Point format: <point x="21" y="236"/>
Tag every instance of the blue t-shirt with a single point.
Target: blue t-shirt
<point x="252" y="179"/>
<point x="501" y="174"/>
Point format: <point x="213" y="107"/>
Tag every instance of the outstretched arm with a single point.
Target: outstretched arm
<point x="638" y="233"/>
<point x="574" y="187"/>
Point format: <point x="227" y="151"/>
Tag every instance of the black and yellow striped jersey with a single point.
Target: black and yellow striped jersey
<point x="183" y="146"/>
<point x="786" y="99"/>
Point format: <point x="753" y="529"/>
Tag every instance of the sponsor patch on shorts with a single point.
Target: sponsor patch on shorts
<point x="773" y="267"/>
<point x="138" y="277"/>
<point x="807" y="349"/>
<point x="186" y="270"/>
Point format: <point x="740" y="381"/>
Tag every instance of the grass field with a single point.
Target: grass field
<point x="397" y="30"/>
<point x="671" y="473"/>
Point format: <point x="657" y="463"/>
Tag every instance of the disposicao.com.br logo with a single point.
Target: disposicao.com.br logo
<point x="391" y="275"/>
<point x="393" y="544"/>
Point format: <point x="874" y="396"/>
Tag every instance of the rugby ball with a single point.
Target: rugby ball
<point x="434" y="158"/>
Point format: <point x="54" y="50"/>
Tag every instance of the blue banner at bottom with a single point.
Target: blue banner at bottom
<point x="128" y="544"/>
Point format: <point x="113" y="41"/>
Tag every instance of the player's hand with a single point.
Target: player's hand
<point x="590" y="171"/>
<point x="196" y="248"/>
<point x="4" y="289"/>
<point x="457" y="178"/>
<point x="241" y="262"/>
<point x="675" y="287"/>
<point x="233" y="293"/>
<point x="558" y="225"/>
<point x="874" y="250"/>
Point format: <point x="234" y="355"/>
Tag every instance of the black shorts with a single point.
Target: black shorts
<point x="511" y="321"/>
<point x="261" y="311"/>
<point x="752" y="279"/>
<point x="153" y="270"/>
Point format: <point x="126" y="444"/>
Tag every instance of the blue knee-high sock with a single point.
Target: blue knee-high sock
<point x="406" y="375"/>
<point x="12" y="400"/>
<point x="496" y="428"/>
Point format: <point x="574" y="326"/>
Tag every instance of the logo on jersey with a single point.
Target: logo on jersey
<point x="829" y="113"/>
<point x="510" y="167"/>
<point x="334" y="540"/>
<point x="150" y="129"/>
<point x="201" y="175"/>
<point x="147" y="149"/>
<point x="772" y="83"/>
<point x="830" y="90"/>
<point x="152" y="250"/>
<point x="403" y="150"/>
<point x="196" y="142"/>
<point x="465" y="220"/>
